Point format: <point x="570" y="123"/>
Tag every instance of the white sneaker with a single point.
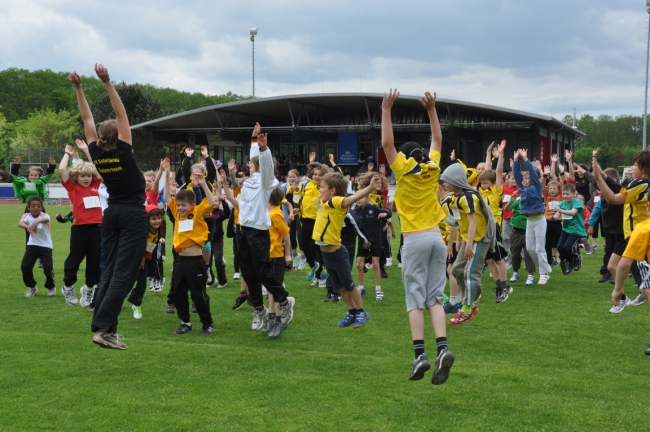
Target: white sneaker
<point x="389" y="262"/>
<point x="530" y="280"/>
<point x="86" y="295"/>
<point x="70" y="296"/>
<point x="322" y="283"/>
<point x="264" y="291"/>
<point x="209" y="281"/>
<point x="137" y="311"/>
<point x="638" y="301"/>
<point x="152" y="284"/>
<point x="160" y="285"/>
<point x="222" y="286"/>
<point x="286" y="311"/>
<point x="302" y="263"/>
<point x="223" y="260"/>
<point x="314" y="282"/>
<point x="621" y="306"/>
<point x="399" y="265"/>
<point x="368" y="266"/>
<point x="515" y="277"/>
<point x="258" y="319"/>
<point x="543" y="279"/>
<point x="31" y="292"/>
<point x="52" y="292"/>
<point x="235" y="276"/>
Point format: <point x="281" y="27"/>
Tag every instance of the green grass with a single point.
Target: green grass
<point x="550" y="358"/>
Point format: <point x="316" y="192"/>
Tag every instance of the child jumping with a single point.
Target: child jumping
<point x="39" y="246"/>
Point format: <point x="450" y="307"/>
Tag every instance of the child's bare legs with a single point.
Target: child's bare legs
<point x="613" y="264"/>
<point x="206" y="257"/>
<point x="375" y="268"/>
<point x="438" y="321"/>
<point x="361" y="262"/>
<point x="352" y="298"/>
<point x="273" y="306"/>
<point x="453" y="285"/>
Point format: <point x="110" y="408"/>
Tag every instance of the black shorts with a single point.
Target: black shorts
<point x="365" y="253"/>
<point x="454" y="255"/>
<point x="499" y="253"/>
<point x="620" y="245"/>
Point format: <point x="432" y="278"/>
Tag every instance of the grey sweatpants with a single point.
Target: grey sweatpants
<point x="468" y="272"/>
<point x="424" y="259"/>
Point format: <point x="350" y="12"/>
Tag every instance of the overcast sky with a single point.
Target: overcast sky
<point x="543" y="57"/>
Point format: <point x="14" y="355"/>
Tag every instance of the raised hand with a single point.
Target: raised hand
<point x="164" y="164"/>
<point x="102" y="72"/>
<point x="495" y="152"/>
<point x="262" y="141"/>
<point x="391" y="97"/>
<point x="51" y="160"/>
<point x="332" y="161"/>
<point x="189" y="151"/>
<point x="312" y="157"/>
<point x="547" y="170"/>
<point x="69" y="149"/>
<point x="452" y="156"/>
<point x="204" y="152"/>
<point x="223" y="178"/>
<point x="502" y="147"/>
<point x="511" y="163"/>
<point x="17" y="160"/>
<point x="375" y="182"/>
<point x="257" y="129"/>
<point x="74" y="78"/>
<point x="81" y="144"/>
<point x="524" y="153"/>
<point x="489" y="149"/>
<point x="428" y="101"/>
<point x="594" y="152"/>
<point x="516" y="155"/>
<point x="561" y="167"/>
<point x="568" y="155"/>
<point x="554" y="157"/>
<point x="232" y="166"/>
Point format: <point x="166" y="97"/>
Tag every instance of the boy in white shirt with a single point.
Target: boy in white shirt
<point x="39" y="246"/>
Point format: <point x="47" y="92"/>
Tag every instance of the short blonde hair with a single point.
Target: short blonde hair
<point x="199" y="167"/>
<point x="150" y="174"/>
<point x="82" y="168"/>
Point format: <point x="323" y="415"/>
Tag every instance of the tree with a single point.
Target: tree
<point x="46" y="128"/>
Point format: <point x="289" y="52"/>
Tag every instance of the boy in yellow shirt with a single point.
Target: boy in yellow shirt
<point x="190" y="235"/>
<point x="327" y="235"/>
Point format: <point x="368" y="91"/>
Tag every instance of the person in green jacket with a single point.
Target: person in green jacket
<point x="34" y="184"/>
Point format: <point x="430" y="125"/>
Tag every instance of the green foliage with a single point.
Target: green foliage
<point x="174" y="101"/>
<point x="619" y="139"/>
<point x="46" y="128"/>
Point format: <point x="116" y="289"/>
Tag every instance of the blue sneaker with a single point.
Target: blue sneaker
<point x="452" y="309"/>
<point x="362" y="291"/>
<point x="313" y="271"/>
<point x="515" y="277"/>
<point x="360" y="319"/>
<point x="347" y="321"/>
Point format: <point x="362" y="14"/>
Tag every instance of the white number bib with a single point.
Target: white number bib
<point x="151" y="247"/>
<point x="553" y="205"/>
<point x="186" y="225"/>
<point x="455" y="214"/>
<point x="567" y="217"/>
<point x="506" y="198"/>
<point x="91" y="202"/>
<point x="30" y="186"/>
<point x="596" y="199"/>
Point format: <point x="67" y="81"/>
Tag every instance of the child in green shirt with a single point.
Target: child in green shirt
<point x="571" y="212"/>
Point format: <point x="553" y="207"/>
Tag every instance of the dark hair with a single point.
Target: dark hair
<point x="107" y="134"/>
<point x="413" y="150"/>
<point x="276" y="196"/>
<point x="336" y="181"/>
<point x="642" y="161"/>
<point x="155" y="212"/>
<point x="569" y="187"/>
<point x="185" y="195"/>
<point x="34" y="198"/>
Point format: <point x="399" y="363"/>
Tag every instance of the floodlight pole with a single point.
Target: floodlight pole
<point x="253" y="34"/>
<point x="645" y="101"/>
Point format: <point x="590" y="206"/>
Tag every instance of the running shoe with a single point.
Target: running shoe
<point x="444" y="362"/>
<point x="419" y="367"/>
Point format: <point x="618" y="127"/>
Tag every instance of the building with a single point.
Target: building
<point x="348" y="125"/>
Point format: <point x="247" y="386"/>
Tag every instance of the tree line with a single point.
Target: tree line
<point x="38" y="109"/>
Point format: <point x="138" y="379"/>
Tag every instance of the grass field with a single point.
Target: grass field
<point x="550" y="358"/>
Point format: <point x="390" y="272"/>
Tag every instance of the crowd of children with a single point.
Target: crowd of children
<point x="455" y="224"/>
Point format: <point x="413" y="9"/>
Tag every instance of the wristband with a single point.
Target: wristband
<point x="77" y="86"/>
<point x="106" y="80"/>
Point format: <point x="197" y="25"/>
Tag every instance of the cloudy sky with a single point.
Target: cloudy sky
<point x="544" y="57"/>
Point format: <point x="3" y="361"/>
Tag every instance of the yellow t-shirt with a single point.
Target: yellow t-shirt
<point x="279" y="229"/>
<point x="416" y="196"/>
<point x="297" y="196"/>
<point x="636" y="205"/>
<point x="638" y="247"/>
<point x="329" y="221"/>
<point x="191" y="229"/>
<point x="376" y="199"/>
<point x="494" y="198"/>
<point x="459" y="206"/>
<point x="310" y="199"/>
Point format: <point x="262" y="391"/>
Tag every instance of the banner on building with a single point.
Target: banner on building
<point x="348" y="149"/>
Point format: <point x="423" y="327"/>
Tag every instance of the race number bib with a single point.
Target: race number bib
<point x="596" y="199"/>
<point x="567" y="217"/>
<point x="186" y="225"/>
<point x="553" y="205"/>
<point x="506" y="198"/>
<point x="30" y="186"/>
<point x="91" y="202"/>
<point x="455" y="214"/>
<point x="151" y="247"/>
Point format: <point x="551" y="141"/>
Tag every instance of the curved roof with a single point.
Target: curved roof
<point x="343" y="111"/>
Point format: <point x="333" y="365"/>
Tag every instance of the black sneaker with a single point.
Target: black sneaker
<point x="170" y="309"/>
<point x="444" y="362"/>
<point x="268" y="327"/>
<point x="419" y="367"/>
<point x="577" y="263"/>
<point x="239" y="302"/>
<point x="328" y="297"/>
<point x="383" y="273"/>
<point x="208" y="331"/>
<point x="647" y="352"/>
<point x="567" y="268"/>
<point x="184" y="328"/>
<point x="605" y="278"/>
<point x="335" y="298"/>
